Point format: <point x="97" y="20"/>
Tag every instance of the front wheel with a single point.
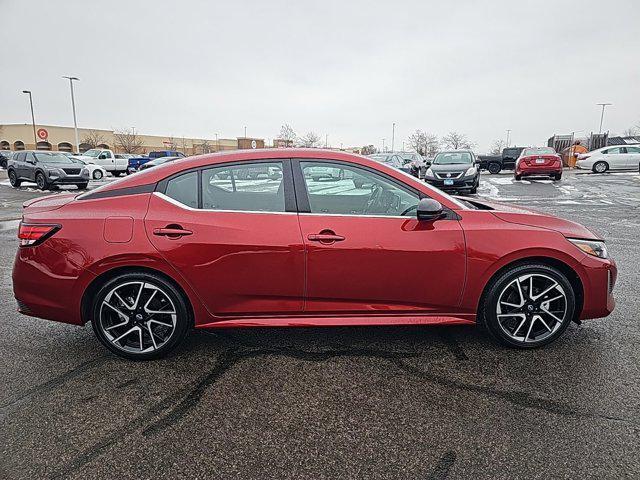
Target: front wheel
<point x="97" y="174"/>
<point x="494" y="168"/>
<point x="41" y="181"/>
<point x="140" y="316"/>
<point x="13" y="179"/>
<point x="518" y="177"/>
<point x="528" y="306"/>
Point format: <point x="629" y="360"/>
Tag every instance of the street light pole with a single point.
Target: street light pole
<point x="508" y="135"/>
<point x="603" y="105"/>
<point x="393" y="136"/>
<point x="326" y="139"/>
<point x="383" y="149"/>
<point x="33" y="119"/>
<point x="73" y="107"/>
<point x="245" y="132"/>
<point x="217" y="144"/>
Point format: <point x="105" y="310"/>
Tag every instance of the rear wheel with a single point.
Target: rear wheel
<point x="528" y="306"/>
<point x="494" y="168"/>
<point x="82" y="186"/>
<point x="140" y="316"/>
<point x="41" y="181"/>
<point x="600" y="167"/>
<point x="13" y="179"/>
<point x="116" y="173"/>
<point x="556" y="176"/>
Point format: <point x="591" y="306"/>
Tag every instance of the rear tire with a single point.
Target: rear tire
<point x="519" y="317"/>
<point x="116" y="173"/>
<point x="557" y="176"/>
<point x="494" y="168"/>
<point x="82" y="186"/>
<point x="145" y="293"/>
<point x="600" y="167"/>
<point x="13" y="179"/>
<point x="41" y="181"/>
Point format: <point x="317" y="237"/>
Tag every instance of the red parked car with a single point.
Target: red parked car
<point x="538" y="161"/>
<point x="199" y="243"/>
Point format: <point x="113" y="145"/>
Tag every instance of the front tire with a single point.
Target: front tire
<point x="494" y="168"/>
<point x="13" y="179"/>
<point x="41" y="181"/>
<point x="97" y="175"/>
<point x="518" y="177"/>
<point x="528" y="306"/>
<point x="140" y="316"/>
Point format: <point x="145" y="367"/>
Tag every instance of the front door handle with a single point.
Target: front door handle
<point x="171" y="231"/>
<point x="325" y="236"/>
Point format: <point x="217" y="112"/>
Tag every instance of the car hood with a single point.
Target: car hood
<point x="526" y="216"/>
<point x="454" y="167"/>
<point x="61" y="165"/>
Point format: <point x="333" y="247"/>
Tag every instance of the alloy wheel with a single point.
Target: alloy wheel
<point x="531" y="308"/>
<point x="97" y="175"/>
<point x="600" y="167"/>
<point x="137" y="317"/>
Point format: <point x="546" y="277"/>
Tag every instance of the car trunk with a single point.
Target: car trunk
<point x="541" y="161"/>
<point x="48" y="203"/>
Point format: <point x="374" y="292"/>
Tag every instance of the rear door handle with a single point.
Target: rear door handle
<point x="171" y="232"/>
<point x="325" y="236"/>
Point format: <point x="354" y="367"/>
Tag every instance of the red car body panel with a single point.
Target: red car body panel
<point x="261" y="269"/>
<point x="538" y="165"/>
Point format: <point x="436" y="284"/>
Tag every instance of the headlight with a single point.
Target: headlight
<point x="429" y="172"/>
<point x="470" y="171"/>
<point x="85" y="171"/>
<point x="596" y="248"/>
<point x="54" y="173"/>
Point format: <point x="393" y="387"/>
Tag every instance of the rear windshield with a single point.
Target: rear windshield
<point x="538" y="151"/>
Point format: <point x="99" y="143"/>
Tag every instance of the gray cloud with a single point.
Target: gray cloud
<point x="347" y="69"/>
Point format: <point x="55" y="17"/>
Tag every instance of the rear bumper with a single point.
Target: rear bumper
<point x="542" y="170"/>
<point x="599" y="281"/>
<point x="47" y="285"/>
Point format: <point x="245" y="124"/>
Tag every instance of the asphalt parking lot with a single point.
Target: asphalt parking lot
<point x="377" y="402"/>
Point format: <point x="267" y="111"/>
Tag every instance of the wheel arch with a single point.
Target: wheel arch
<point x="572" y="276"/>
<point x="104" y="277"/>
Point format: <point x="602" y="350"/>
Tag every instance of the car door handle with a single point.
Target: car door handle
<point x="171" y="232"/>
<point x="325" y="237"/>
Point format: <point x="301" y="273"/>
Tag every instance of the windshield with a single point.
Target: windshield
<point x="538" y="151"/>
<point x="451" y="158"/>
<point x="51" y="158"/>
<point x="92" y="153"/>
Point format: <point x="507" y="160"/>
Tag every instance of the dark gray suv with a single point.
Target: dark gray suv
<point x="46" y="169"/>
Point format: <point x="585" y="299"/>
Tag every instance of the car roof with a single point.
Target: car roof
<point x="154" y="175"/>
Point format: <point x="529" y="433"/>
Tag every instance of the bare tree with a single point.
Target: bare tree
<point x="426" y="144"/>
<point x="496" y="148"/>
<point x="204" y="146"/>
<point x="288" y="135"/>
<point x="368" y="150"/>
<point x="172" y="144"/>
<point x="93" y="138"/>
<point x="310" y="140"/>
<point x="632" y="131"/>
<point x="455" y="140"/>
<point x="128" y="141"/>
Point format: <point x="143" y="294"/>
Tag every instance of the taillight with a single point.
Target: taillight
<point x="31" y="234"/>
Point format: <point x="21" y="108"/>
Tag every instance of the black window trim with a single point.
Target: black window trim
<point x="289" y="194"/>
<point x="302" y="195"/>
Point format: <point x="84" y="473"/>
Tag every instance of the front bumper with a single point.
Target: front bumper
<point x="62" y="178"/>
<point x="598" y="282"/>
<point x="464" y="183"/>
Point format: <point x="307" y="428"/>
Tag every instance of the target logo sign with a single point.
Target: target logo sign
<point x="42" y="134"/>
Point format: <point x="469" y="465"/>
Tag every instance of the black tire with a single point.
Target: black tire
<point x="3" y="164"/>
<point x="488" y="316"/>
<point x="97" y="174"/>
<point x="41" y="181"/>
<point x="557" y="177"/>
<point x="13" y="179"/>
<point x="518" y="177"/>
<point x="600" y="167"/>
<point x="473" y="190"/>
<point x="494" y="168"/>
<point x="183" y="320"/>
<point x="82" y="186"/>
<point x="116" y="173"/>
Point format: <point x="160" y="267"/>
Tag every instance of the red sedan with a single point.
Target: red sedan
<point x="538" y="161"/>
<point x="258" y="238"/>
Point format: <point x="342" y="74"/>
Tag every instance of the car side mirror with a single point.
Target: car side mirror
<point x="429" y="209"/>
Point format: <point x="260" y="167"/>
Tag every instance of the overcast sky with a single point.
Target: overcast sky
<point x="344" y="68"/>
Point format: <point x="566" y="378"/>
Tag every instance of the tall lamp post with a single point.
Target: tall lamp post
<point x="33" y="119"/>
<point x="603" y="105"/>
<point x="508" y="135"/>
<point x="217" y="144"/>
<point x="393" y="137"/>
<point x="73" y="107"/>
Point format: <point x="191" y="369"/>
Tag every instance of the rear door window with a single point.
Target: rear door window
<point x="184" y="189"/>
